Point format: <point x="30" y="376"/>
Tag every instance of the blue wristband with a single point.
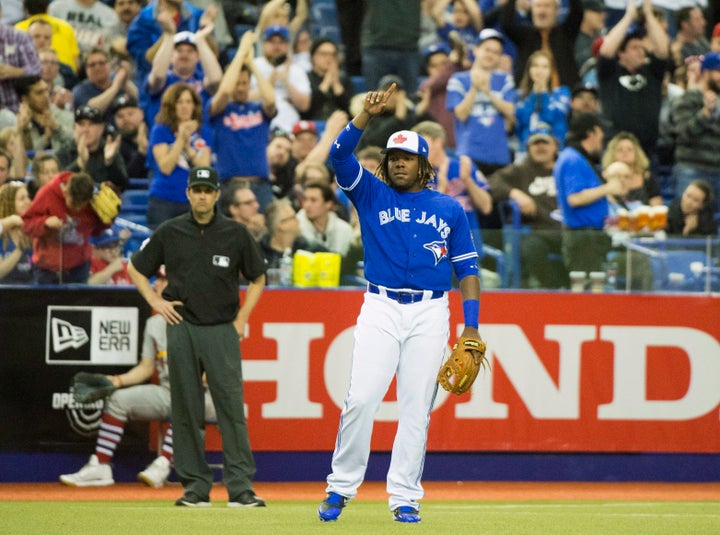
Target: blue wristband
<point x="471" y="311"/>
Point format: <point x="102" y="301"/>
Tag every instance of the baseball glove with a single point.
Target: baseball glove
<point x="459" y="371"/>
<point x="89" y="387"/>
<point x="106" y="203"/>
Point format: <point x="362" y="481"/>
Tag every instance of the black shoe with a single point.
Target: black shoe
<point x="190" y="500"/>
<point x="246" y="498"/>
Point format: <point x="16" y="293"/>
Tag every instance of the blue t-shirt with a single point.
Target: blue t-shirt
<point x="239" y="138"/>
<point x="170" y="187"/>
<point x="483" y="135"/>
<point x="22" y="272"/>
<point x="411" y="240"/>
<point x="573" y="174"/>
<point x="153" y="101"/>
<point x="551" y="108"/>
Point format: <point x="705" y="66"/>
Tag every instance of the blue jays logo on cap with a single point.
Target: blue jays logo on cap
<point x="407" y="141"/>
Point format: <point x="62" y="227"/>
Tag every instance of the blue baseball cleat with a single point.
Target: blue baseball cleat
<point x="331" y="507"/>
<point x="405" y="513"/>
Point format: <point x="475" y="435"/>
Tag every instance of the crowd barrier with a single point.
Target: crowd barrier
<point x="630" y="377"/>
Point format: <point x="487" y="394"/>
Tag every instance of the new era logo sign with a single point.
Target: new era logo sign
<point x="203" y="173"/>
<point x="65" y="335"/>
<point x="92" y="335"/>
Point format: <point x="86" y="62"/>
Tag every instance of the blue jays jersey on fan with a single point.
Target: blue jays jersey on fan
<point x="411" y="240"/>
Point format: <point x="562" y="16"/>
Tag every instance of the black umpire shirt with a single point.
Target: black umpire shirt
<point x="203" y="265"/>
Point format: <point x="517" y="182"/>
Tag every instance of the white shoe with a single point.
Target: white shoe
<point x="156" y="474"/>
<point x="93" y="474"/>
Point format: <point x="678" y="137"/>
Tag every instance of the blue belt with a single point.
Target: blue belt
<point x="405" y="297"/>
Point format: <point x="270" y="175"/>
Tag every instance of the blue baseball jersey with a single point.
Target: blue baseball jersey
<point x="483" y="135"/>
<point x="240" y="135"/>
<point x="411" y="240"/>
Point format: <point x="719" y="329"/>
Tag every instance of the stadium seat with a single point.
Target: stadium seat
<point x="134" y="201"/>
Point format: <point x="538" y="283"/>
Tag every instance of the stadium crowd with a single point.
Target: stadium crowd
<point x="554" y="117"/>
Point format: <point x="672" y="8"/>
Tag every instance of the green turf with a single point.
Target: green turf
<point x="362" y="517"/>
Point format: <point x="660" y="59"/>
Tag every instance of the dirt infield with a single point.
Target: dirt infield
<point x="434" y="490"/>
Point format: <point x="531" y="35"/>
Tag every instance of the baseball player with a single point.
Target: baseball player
<point x="136" y="401"/>
<point x="413" y="239"/>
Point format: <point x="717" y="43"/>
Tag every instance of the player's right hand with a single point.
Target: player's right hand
<point x="375" y="101"/>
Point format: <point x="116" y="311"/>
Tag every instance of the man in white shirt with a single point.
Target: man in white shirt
<point x="319" y="224"/>
<point x="292" y="86"/>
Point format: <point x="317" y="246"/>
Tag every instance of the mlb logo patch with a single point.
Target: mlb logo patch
<point x="221" y="261"/>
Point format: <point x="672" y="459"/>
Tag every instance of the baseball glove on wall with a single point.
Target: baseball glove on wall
<point x="106" y="203"/>
<point x="89" y="387"/>
<point x="458" y="372"/>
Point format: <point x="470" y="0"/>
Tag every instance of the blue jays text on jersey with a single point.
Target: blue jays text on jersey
<point x="412" y="240"/>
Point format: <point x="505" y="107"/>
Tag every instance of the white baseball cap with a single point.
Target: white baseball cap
<point x="407" y="141"/>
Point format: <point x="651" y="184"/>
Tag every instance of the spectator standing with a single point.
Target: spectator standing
<point x="41" y="32"/>
<point x="95" y="151"/>
<point x="290" y="82"/>
<point x="205" y="254"/>
<point x="93" y="21"/>
<point x="175" y="146"/>
<point x="63" y="39"/>
<point x="282" y="164"/>
<point x="241" y="127"/>
<point x="531" y="185"/>
<point x="483" y="102"/>
<point x="465" y="20"/>
<point x="18" y="58"/>
<point x="15" y="245"/>
<point x="458" y="177"/>
<point x="690" y="39"/>
<point x="143" y="38"/>
<point x="182" y="57"/>
<point x="440" y="64"/>
<point x="582" y="196"/>
<point x="546" y="33"/>
<point x="631" y="80"/>
<point x="60" y="221"/>
<point x="539" y="102"/>
<point x="331" y="88"/>
<point x="592" y="26"/>
<point x="696" y="119"/>
<point x="389" y="41"/>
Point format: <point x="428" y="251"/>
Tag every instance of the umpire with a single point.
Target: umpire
<point x="204" y="254"/>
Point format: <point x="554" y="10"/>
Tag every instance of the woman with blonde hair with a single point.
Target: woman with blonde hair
<point x="625" y="147"/>
<point x="175" y="146"/>
<point x="15" y="245"/>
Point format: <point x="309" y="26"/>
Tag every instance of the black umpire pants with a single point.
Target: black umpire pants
<point x="215" y="350"/>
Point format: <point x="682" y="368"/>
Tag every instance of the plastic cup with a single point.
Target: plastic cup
<point x="623" y="219"/>
<point x="597" y="281"/>
<point x="577" y="281"/>
<point x="658" y="217"/>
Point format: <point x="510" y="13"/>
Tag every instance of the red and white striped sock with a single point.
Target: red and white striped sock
<point x="167" y="447"/>
<point x="109" y="436"/>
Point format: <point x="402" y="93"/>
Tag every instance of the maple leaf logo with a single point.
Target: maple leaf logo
<point x="400" y="139"/>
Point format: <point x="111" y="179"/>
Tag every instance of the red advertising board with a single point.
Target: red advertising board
<point x="570" y="372"/>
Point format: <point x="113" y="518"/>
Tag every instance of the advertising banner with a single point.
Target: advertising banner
<point x="570" y="372"/>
